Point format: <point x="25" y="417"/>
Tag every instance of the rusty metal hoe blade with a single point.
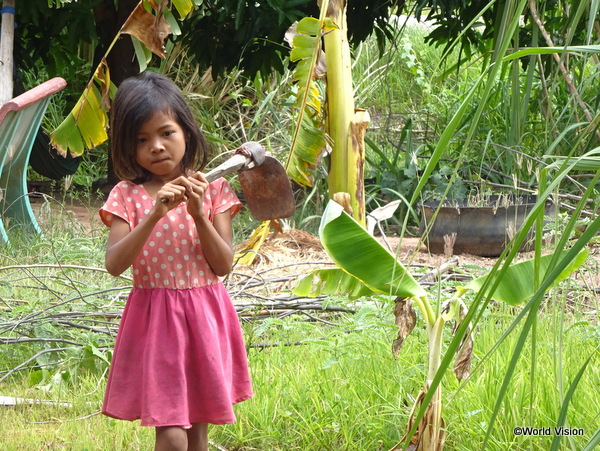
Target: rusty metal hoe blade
<point x="267" y="190"/>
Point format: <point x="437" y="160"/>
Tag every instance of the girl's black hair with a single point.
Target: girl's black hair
<point x="137" y="99"/>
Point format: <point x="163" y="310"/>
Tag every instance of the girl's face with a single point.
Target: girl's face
<point x="160" y="147"/>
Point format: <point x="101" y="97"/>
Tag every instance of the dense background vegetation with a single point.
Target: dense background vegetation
<point x="341" y="388"/>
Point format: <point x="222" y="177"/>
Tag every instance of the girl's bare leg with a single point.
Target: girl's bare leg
<point x="198" y="437"/>
<point x="171" y="438"/>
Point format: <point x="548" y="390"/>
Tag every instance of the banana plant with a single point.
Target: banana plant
<point x="320" y="50"/>
<point x="359" y="274"/>
<point x="378" y="271"/>
<point x="149" y="25"/>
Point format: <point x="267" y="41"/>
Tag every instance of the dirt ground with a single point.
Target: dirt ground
<point x="281" y="248"/>
<point x="292" y="253"/>
<point x="301" y="245"/>
<point x="47" y="209"/>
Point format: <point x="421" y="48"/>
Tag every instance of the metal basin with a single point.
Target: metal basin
<point x="482" y="230"/>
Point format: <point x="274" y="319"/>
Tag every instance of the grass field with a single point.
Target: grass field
<point x="337" y="387"/>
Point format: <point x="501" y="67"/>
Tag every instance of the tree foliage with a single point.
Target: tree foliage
<point x="476" y="24"/>
<point x="52" y="37"/>
<point x="223" y="34"/>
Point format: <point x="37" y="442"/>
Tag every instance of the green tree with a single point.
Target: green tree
<point x="221" y="34"/>
<point x="61" y="37"/>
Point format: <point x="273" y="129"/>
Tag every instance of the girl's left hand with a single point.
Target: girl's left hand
<point x="195" y="195"/>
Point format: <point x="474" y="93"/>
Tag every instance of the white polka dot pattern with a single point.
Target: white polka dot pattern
<point x="172" y="256"/>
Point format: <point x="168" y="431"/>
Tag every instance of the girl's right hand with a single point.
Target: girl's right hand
<point x="171" y="194"/>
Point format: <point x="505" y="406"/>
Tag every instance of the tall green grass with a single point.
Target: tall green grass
<point x="460" y="137"/>
<point x="414" y="87"/>
<point x="343" y="389"/>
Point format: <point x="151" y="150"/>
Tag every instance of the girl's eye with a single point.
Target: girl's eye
<point x="168" y="132"/>
<point x="141" y="140"/>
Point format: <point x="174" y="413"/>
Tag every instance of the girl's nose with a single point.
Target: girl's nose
<point x="157" y="146"/>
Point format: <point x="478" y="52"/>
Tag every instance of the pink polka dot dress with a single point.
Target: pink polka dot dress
<point x="179" y="356"/>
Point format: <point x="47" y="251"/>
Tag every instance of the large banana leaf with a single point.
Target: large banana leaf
<point x="308" y="141"/>
<point x="148" y="28"/>
<point x="517" y="285"/>
<point x="358" y="253"/>
<point x="332" y="282"/>
<point x="85" y="127"/>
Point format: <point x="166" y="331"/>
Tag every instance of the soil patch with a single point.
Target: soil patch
<point x="297" y="245"/>
<point x="282" y="254"/>
<point x="282" y="249"/>
<point x="80" y="214"/>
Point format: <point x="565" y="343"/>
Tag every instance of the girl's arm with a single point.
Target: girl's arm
<point x="216" y="238"/>
<point x="124" y="245"/>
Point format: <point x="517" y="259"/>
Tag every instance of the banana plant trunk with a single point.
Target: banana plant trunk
<point x="345" y="126"/>
<point x="432" y="428"/>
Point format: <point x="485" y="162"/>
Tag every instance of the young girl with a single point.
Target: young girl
<point x="179" y="361"/>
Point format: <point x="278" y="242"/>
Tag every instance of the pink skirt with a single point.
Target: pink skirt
<point x="179" y="359"/>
